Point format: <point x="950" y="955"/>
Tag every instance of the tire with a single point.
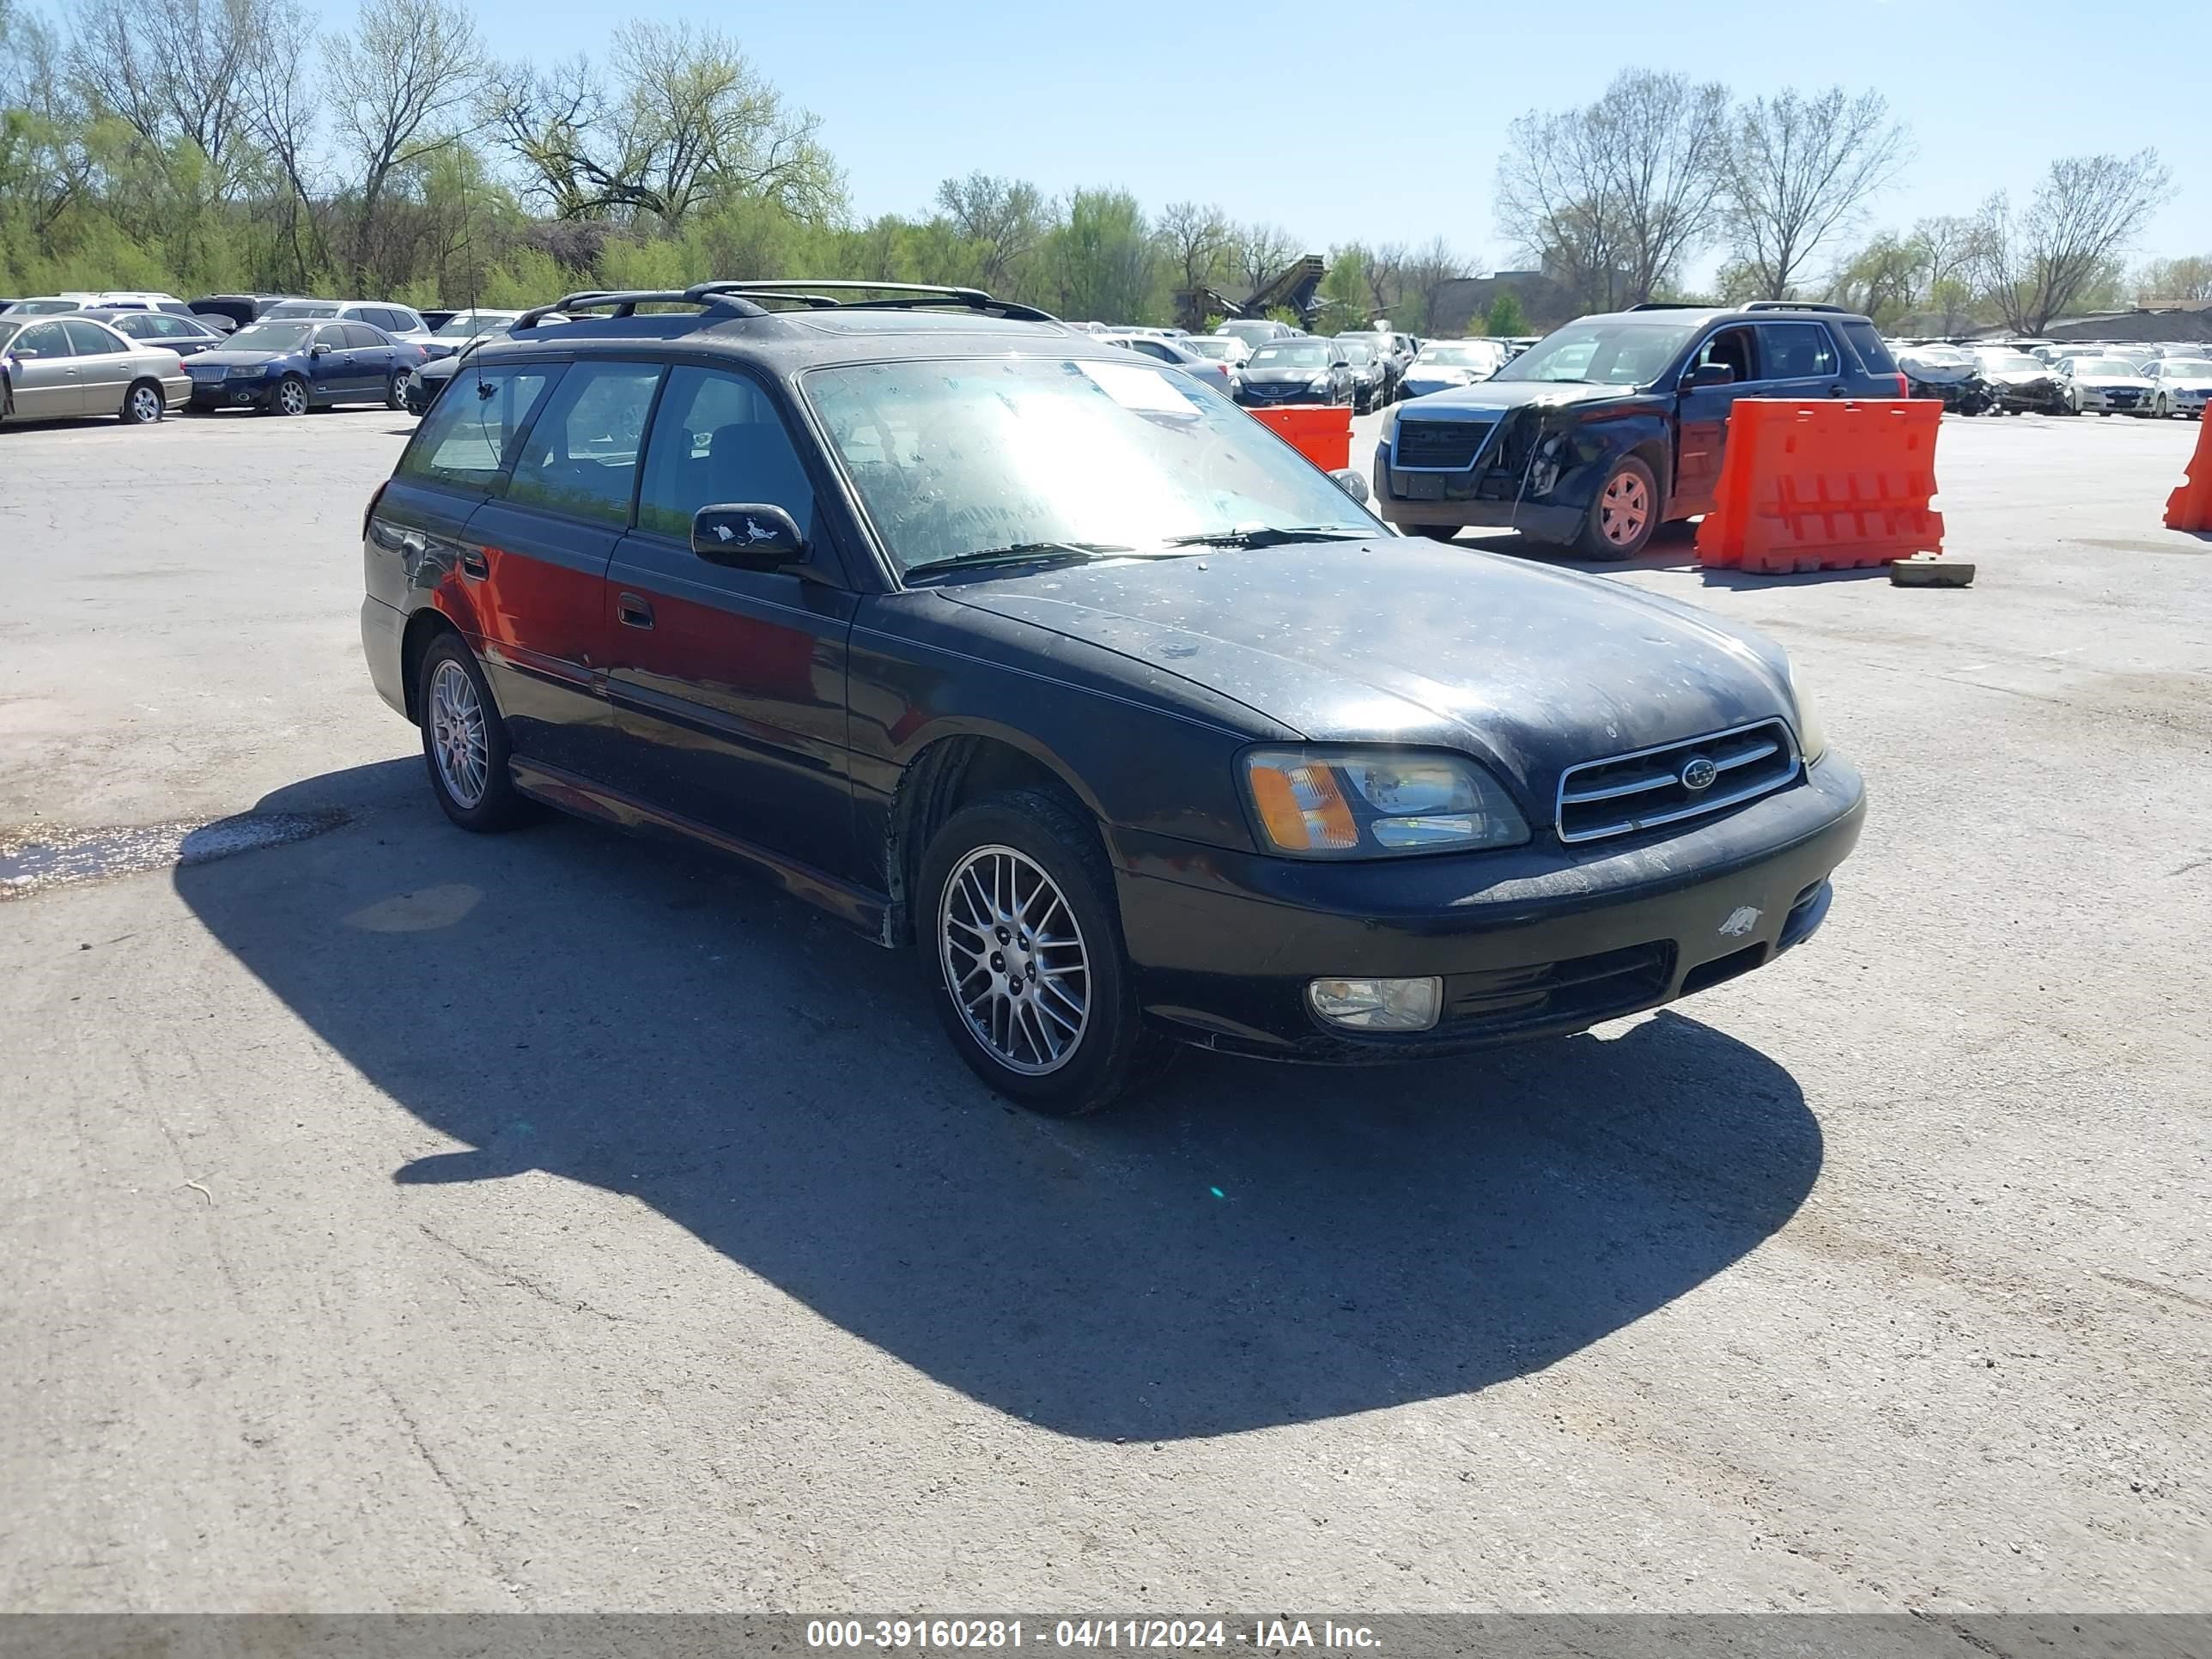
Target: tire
<point x="984" y="872"/>
<point x="468" y="774"/>
<point x="287" y="397"/>
<point x="2159" y="411"/>
<point x="395" y="391"/>
<point x="1623" y="515"/>
<point x="142" y="405"/>
<point x="1435" y="533"/>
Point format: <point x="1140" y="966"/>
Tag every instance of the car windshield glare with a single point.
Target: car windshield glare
<point x="1301" y="356"/>
<point x="2012" y="360"/>
<point x="2104" y="365"/>
<point x="1610" y="354"/>
<point x="957" y="460"/>
<point x="269" y="336"/>
<point x="464" y="324"/>
<point x="303" y="308"/>
<point x="1454" y="357"/>
<point x="2186" y="368"/>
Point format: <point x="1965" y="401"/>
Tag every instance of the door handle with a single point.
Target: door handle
<point x="631" y="612"/>
<point x="474" y="564"/>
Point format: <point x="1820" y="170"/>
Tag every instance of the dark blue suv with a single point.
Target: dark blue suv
<point x="1606" y="428"/>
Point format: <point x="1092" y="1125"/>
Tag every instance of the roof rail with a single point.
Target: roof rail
<point x="1672" y="305"/>
<point x="1797" y="305"/>
<point x="826" y="293"/>
<point x="626" y="301"/>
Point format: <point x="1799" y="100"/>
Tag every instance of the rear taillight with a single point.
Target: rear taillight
<point x="370" y="512"/>
<point x="1903" y="389"/>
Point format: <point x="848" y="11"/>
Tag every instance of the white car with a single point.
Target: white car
<point x="2179" y="386"/>
<point x="1441" y="365"/>
<point x="2110" y="386"/>
<point x="399" y="321"/>
<point x="1221" y="348"/>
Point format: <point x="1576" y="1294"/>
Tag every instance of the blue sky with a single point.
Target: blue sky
<point x="1247" y="104"/>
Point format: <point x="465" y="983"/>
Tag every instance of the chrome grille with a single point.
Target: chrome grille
<point x="1646" y="788"/>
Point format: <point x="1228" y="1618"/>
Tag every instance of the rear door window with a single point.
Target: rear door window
<point x="1796" y="351"/>
<point x="361" y="338"/>
<point x="91" y="340"/>
<point x="470" y="433"/>
<point x="581" y="458"/>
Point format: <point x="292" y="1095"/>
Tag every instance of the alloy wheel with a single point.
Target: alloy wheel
<point x="145" y="405"/>
<point x="1014" y="960"/>
<point x="1623" y="509"/>
<point x="458" y="737"/>
<point x="292" y="397"/>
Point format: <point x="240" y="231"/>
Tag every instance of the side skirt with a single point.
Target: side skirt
<point x="859" y="907"/>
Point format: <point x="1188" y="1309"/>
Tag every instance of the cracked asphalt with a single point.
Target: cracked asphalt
<point x="399" y="1219"/>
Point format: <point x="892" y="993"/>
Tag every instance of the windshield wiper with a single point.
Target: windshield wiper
<point x="1271" y="535"/>
<point x="1022" y="553"/>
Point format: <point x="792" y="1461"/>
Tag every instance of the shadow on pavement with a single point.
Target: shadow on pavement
<point x="1247" y="1246"/>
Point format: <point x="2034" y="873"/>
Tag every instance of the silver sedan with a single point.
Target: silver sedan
<point x="60" y="368"/>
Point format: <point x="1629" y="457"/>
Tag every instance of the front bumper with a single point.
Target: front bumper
<point x="1537" y="941"/>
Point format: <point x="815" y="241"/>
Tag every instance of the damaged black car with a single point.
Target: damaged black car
<point x="1613" y="425"/>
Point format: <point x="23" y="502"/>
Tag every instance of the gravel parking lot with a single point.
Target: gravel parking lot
<point x="396" y="1219"/>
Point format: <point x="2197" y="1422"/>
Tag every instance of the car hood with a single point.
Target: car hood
<point x="225" y="356"/>
<point x="1487" y="398"/>
<point x="2114" y="382"/>
<point x="1530" y="667"/>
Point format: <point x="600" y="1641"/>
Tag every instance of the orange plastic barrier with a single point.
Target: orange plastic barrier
<point x="2190" y="507"/>
<point x="1320" y="432"/>
<point x="1824" y="486"/>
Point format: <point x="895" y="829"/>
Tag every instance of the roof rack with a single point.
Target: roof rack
<point x="626" y="301"/>
<point x="1796" y="305"/>
<point x="1671" y="305"/>
<point x="825" y="293"/>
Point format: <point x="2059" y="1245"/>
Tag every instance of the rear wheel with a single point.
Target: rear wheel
<point x="464" y="740"/>
<point x="1022" y="940"/>
<point x="142" y="405"/>
<point x="395" y="390"/>
<point x="1623" y="515"/>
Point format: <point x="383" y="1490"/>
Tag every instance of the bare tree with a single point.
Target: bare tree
<point x="45" y="165"/>
<point x="1263" y="253"/>
<point x="549" y="120"/>
<point x="178" y="71"/>
<point x="1386" y="275"/>
<point x="2082" y="217"/>
<point x="1005" y="218"/>
<point x="1949" y="246"/>
<point x="1801" y="169"/>
<point x="1197" y="240"/>
<point x="281" y="107"/>
<point x="1612" y="197"/>
<point x="397" y="87"/>
<point x="1428" y="270"/>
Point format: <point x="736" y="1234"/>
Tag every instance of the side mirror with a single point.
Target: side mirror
<point x="318" y="351"/>
<point x="1706" y="374"/>
<point x="1351" y="483"/>
<point x="747" y="535"/>
<point x="1342" y="362"/>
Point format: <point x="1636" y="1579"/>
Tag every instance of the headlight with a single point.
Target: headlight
<point x="1319" y="383"/>
<point x="1812" y="737"/>
<point x="1376" y="803"/>
<point x="246" y="371"/>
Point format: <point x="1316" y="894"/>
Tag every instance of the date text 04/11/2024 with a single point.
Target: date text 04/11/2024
<point x="1134" y="1634"/>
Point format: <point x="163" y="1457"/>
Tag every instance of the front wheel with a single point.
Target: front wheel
<point x="1022" y="940"/>
<point x="1623" y="515"/>
<point x="1435" y="533"/>
<point x="289" y="397"/>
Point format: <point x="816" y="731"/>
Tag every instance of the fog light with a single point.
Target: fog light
<point x="1378" y="1005"/>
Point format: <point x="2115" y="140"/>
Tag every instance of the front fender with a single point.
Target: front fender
<point x="1574" y="456"/>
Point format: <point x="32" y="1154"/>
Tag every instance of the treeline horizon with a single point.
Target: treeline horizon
<point x="206" y="146"/>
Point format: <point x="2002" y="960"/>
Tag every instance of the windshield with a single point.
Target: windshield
<point x="1220" y="349"/>
<point x="2185" y="369"/>
<point x="954" y="460"/>
<point x="1610" y="354"/>
<point x="2104" y="365"/>
<point x="464" y="324"/>
<point x="1456" y="356"/>
<point x="303" y="308"/>
<point x="1292" y="354"/>
<point x="1357" y="354"/>
<point x="2012" y="360"/>
<point x="269" y="336"/>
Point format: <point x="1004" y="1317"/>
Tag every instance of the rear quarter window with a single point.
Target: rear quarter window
<point x="1874" y="356"/>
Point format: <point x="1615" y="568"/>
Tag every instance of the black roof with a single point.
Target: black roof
<point x="1671" y="311"/>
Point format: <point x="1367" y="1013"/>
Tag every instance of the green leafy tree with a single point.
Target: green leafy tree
<point x="1505" y="318"/>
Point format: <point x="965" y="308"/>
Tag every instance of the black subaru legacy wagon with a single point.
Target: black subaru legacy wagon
<point x="1052" y="663"/>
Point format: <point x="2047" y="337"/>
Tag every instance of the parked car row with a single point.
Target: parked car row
<point x="2002" y="379"/>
